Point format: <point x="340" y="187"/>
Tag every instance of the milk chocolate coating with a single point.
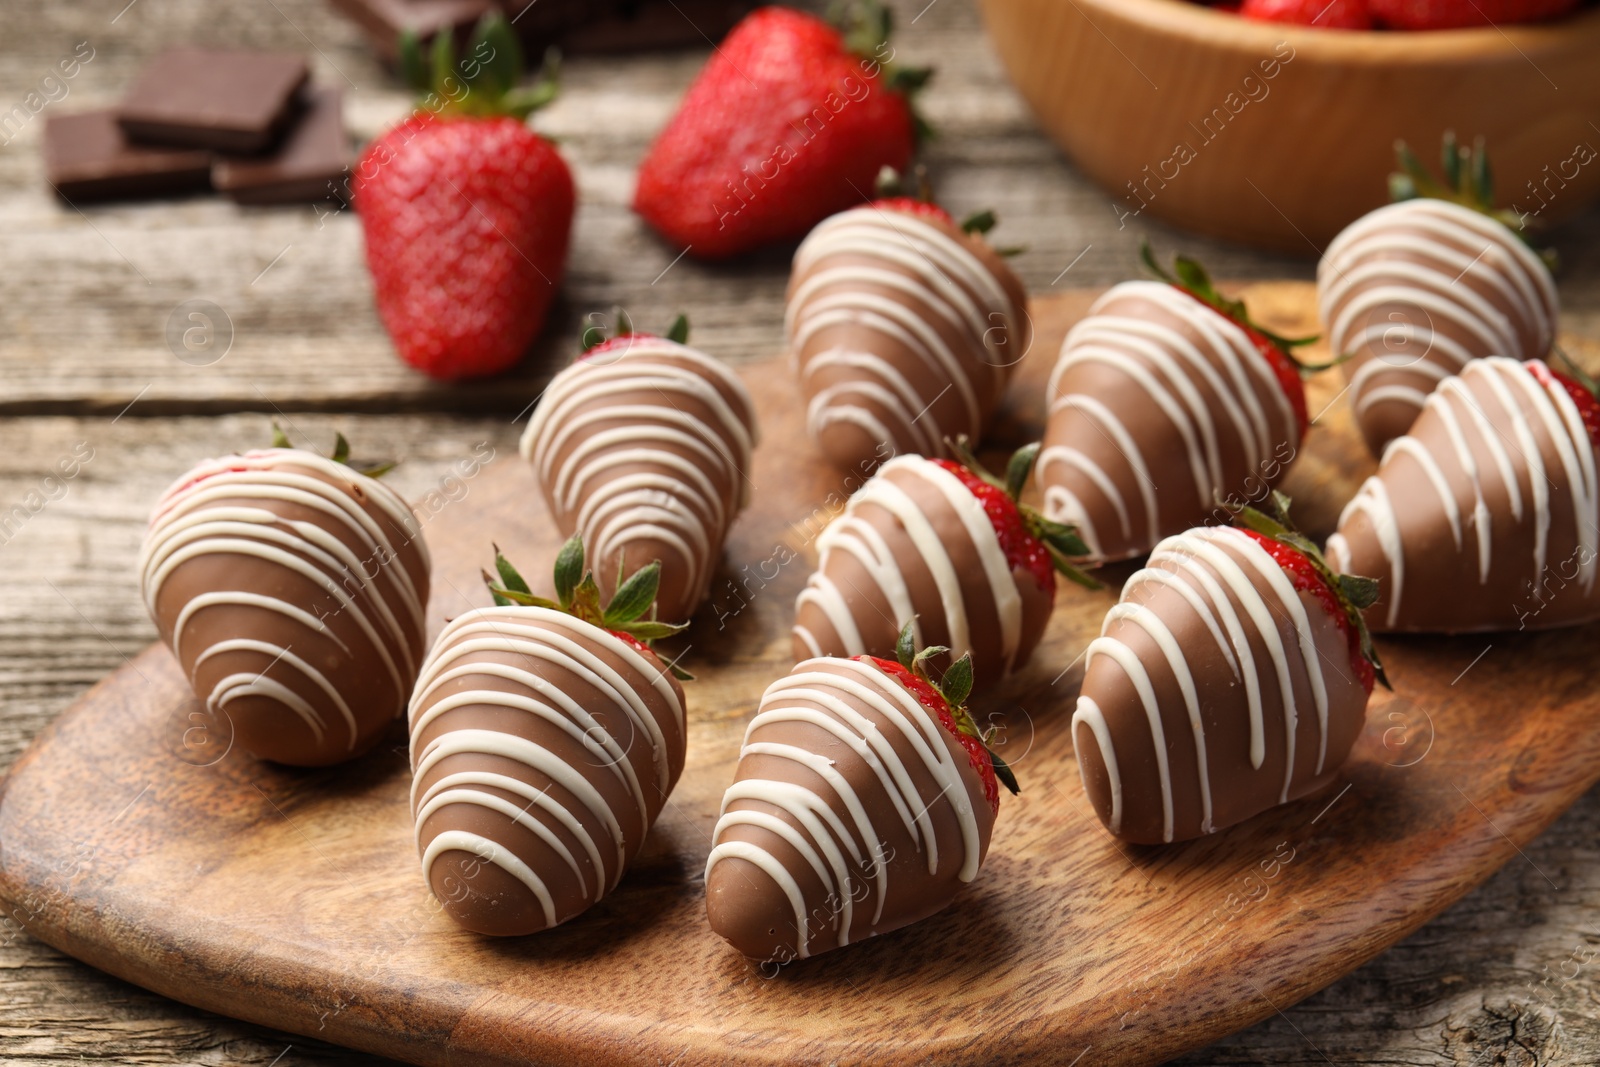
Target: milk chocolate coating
<point x="1215" y="691"/>
<point x="1484" y="517"/>
<point x="1413" y="291"/>
<point x="853" y="812"/>
<point x="644" y="449"/>
<point x="915" y="542"/>
<point x="903" y="330"/>
<point x="542" y="749"/>
<point x="291" y="589"/>
<point x="1158" y="406"/>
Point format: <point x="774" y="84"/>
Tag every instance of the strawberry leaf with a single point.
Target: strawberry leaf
<point x="442" y="61"/>
<point x="679" y="673"/>
<point x="279" y="438"/>
<point x="678" y="332"/>
<point x="413" y="68"/>
<point x="592" y="335"/>
<point x="569" y="569"/>
<point x="1019" y="467"/>
<point x="1362" y="592"/>
<point x="1071" y="571"/>
<point x="905" y="646"/>
<point x="341" y="449"/>
<point x="520" y="103"/>
<point x="508" y="574"/>
<point x="956" y="685"/>
<point x="650" y="630"/>
<point x="1003" y="773"/>
<point x="634" y="596"/>
<point x="624" y="322"/>
<point x="494" y="56"/>
<point x="978" y="222"/>
<point x="506" y="598"/>
<point x="586" y="600"/>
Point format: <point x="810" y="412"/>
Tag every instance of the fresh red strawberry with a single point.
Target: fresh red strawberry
<point x="629" y="616"/>
<point x="1325" y="14"/>
<point x="1029" y="540"/>
<point x="467" y="214"/>
<point x="947" y="699"/>
<point x="790" y="121"/>
<point x="1454" y="14"/>
<point x="1578" y="386"/>
<point x="1190" y="277"/>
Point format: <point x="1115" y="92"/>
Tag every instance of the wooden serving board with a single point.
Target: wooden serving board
<point x="134" y="838"/>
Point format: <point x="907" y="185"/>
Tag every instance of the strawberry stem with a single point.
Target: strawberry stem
<point x="629" y="612"/>
<point x="340" y="454"/>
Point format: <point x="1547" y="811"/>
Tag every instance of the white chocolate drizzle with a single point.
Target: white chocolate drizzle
<point x="855" y="536"/>
<point x="862" y="708"/>
<point x="1531" y="432"/>
<point x="539" y="637"/>
<point x="1417" y="289"/>
<point x="939" y="289"/>
<point x="1238" y="591"/>
<point x="231" y="507"/>
<point x="1164" y="369"/>
<point x="624" y="410"/>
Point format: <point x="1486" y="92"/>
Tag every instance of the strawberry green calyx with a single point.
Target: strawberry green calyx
<point x="1187" y="274"/>
<point x="1467" y="181"/>
<point x="1353" y="594"/>
<point x="340" y="454"/>
<point x="1061" y="541"/>
<point x="954" y="687"/>
<point x="594" y="334"/>
<point x="577" y="594"/>
<point x="482" y="82"/>
<point x="866" y="26"/>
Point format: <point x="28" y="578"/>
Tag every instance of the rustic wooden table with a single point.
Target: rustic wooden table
<point x="1507" y="976"/>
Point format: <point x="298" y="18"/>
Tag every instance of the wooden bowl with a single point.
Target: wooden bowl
<point x="1279" y="135"/>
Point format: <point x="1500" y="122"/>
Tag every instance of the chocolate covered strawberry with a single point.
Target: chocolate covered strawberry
<point x="1411" y="292"/>
<point x="1486" y="515"/>
<point x="642" y="447"/>
<point x="904" y="329"/>
<point x="467" y="212"/>
<point x="947" y="545"/>
<point x="545" y="738"/>
<point x="789" y="122"/>
<point x="864" y="799"/>
<point x="1233" y="676"/>
<point x="1165" y="399"/>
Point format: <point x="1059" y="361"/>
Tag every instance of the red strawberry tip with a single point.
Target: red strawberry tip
<point x="1031" y="540"/>
<point x="1346" y="596"/>
<point x="629" y="615"/>
<point x="1579" y="384"/>
<point x="482" y="83"/>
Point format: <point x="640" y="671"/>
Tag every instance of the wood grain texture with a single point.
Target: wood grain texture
<point x="292" y="898"/>
<point x="1180" y="112"/>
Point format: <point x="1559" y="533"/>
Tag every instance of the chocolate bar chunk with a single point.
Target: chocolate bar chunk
<point x="87" y="157"/>
<point x="384" y="20"/>
<point x="226" y="100"/>
<point x="574" y="25"/>
<point x="308" y="165"/>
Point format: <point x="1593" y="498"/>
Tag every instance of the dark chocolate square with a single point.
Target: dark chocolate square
<point x="227" y="100"/>
<point x="308" y="165"/>
<point x="87" y="157"/>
